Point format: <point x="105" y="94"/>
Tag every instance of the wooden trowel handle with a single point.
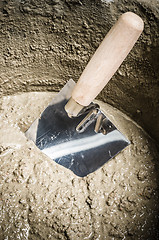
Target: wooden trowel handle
<point x="107" y="58"/>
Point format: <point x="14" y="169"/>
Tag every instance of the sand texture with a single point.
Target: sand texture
<point x="42" y="200"/>
<point x="44" y="43"/>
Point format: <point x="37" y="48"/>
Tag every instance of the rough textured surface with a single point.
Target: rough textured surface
<point x="44" y="43"/>
<point x="42" y="200"/>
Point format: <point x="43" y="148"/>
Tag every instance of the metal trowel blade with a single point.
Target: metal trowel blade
<point x="54" y="133"/>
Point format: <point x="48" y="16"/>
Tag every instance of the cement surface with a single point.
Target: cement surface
<point x="42" y="200"/>
<point x="44" y="43"/>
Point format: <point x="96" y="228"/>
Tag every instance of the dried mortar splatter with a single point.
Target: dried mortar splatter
<point x="42" y="200"/>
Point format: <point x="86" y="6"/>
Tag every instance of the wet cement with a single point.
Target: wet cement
<point x="42" y="45"/>
<point x="42" y="200"/>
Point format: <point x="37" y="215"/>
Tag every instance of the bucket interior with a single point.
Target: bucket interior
<point x="43" y="45"/>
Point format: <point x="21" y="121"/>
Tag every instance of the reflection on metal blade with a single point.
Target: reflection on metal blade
<point x="54" y="133"/>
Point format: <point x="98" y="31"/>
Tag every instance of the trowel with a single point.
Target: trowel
<point x="73" y="130"/>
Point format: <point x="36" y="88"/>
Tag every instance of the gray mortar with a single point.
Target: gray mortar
<point x="42" y="200"/>
<point x="42" y="45"/>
